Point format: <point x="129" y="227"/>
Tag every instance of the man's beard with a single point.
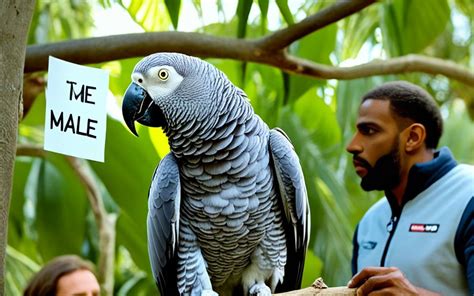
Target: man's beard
<point x="385" y="174"/>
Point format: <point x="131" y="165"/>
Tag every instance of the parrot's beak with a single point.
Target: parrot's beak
<point x="138" y="106"/>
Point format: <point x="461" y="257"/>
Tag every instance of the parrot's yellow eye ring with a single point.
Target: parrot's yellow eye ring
<point x="163" y="74"/>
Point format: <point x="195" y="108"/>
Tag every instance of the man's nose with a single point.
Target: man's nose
<point x="354" y="146"/>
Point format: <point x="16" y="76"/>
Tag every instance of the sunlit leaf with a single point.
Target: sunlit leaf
<point x="409" y="26"/>
<point x="150" y="14"/>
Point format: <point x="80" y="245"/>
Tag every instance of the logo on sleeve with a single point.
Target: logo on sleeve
<point x="368" y="245"/>
<point x="424" y="228"/>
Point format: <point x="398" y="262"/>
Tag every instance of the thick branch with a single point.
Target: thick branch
<point x="331" y="14"/>
<point x="96" y="50"/>
<point x="109" y="48"/>
<point x="105" y="222"/>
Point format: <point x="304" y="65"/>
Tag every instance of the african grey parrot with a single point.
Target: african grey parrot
<point x="228" y="210"/>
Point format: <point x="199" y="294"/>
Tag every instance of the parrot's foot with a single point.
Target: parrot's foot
<point x="209" y="293"/>
<point x="260" y="289"/>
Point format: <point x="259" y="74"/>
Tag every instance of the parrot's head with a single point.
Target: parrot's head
<point x="170" y="90"/>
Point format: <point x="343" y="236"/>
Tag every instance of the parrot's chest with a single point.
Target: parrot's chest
<point x="230" y="224"/>
<point x="229" y="212"/>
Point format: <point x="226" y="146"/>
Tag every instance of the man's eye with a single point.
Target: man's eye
<point x="367" y="130"/>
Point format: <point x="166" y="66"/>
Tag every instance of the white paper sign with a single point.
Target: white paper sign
<point x="76" y="110"/>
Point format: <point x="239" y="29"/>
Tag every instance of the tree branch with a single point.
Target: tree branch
<point x="102" y="49"/>
<point x="337" y="291"/>
<point x="105" y="221"/>
<point x="404" y="64"/>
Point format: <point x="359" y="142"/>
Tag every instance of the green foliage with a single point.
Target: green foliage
<point x="243" y="10"/>
<point x="173" y="10"/>
<point x="60" y="207"/>
<point x="315" y="47"/>
<point x="50" y="214"/>
<point x="60" y="20"/>
<point x="411" y="25"/>
<point x="20" y="269"/>
<point x="285" y="11"/>
<point x="358" y="28"/>
<point x="149" y="13"/>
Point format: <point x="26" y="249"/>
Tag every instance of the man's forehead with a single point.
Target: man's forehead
<point x="375" y="111"/>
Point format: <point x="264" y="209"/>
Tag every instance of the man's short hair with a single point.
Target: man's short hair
<point x="409" y="101"/>
<point x="45" y="281"/>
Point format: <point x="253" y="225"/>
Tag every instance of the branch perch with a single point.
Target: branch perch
<point x="105" y="221"/>
<point x="321" y="289"/>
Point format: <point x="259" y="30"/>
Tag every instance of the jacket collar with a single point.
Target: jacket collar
<point x="423" y="175"/>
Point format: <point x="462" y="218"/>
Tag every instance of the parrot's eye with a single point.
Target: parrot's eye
<point x="163" y="74"/>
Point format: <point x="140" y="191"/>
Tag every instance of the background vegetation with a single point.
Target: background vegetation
<point x="50" y="213"/>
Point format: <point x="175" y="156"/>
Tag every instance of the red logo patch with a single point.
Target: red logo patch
<point x="424" y="228"/>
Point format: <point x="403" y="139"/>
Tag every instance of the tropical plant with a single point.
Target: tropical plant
<point x="296" y="62"/>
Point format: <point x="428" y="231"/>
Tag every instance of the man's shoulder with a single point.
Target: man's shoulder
<point x="463" y="173"/>
<point x="466" y="169"/>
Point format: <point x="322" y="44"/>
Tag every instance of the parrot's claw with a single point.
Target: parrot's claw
<point x="209" y="293"/>
<point x="260" y="289"/>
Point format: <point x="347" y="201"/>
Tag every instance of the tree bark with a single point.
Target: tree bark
<point x="15" y="18"/>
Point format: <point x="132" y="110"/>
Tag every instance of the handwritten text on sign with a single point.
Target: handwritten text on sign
<point x="76" y="110"/>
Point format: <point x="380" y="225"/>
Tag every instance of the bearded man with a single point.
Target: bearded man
<point x="419" y="238"/>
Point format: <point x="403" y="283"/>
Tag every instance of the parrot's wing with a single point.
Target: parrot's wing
<point x="295" y="206"/>
<point x="163" y="224"/>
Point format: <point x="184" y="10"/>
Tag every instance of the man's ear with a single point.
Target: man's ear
<point x="416" y="137"/>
